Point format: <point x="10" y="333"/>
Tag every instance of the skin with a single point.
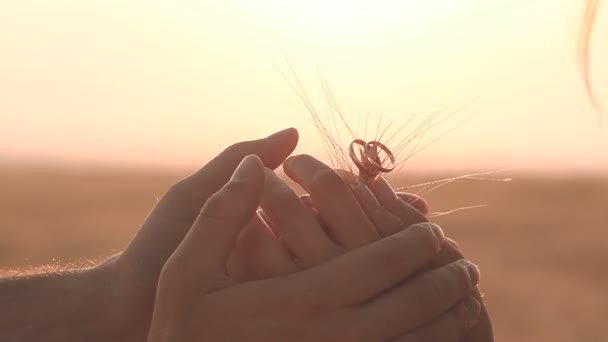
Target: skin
<point x="100" y="303"/>
<point x="114" y="301"/>
<point x="65" y="306"/>
<point x="367" y="294"/>
<point x="352" y="217"/>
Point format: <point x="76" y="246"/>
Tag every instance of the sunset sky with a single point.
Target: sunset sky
<point x="172" y="82"/>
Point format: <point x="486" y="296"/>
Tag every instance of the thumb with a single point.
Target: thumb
<point x="200" y="260"/>
<point x="175" y="213"/>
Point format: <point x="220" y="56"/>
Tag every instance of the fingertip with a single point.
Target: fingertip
<point x="249" y="169"/>
<point x="429" y="229"/>
<point x="289" y="162"/>
<point x="287" y="133"/>
<point x="274" y="185"/>
<point x="385" y="193"/>
<point x="301" y="165"/>
<point x="472" y="271"/>
<point x="282" y="144"/>
<point x="415" y="201"/>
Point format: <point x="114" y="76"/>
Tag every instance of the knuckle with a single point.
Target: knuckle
<point x="215" y="207"/>
<point x="435" y="287"/>
<point x="170" y="275"/>
<point x="179" y="189"/>
<point x="392" y="255"/>
<point x="187" y="192"/>
<point x="426" y="237"/>
<point x="457" y="320"/>
<point x="218" y="205"/>
<point x="459" y="274"/>
<point x="444" y="285"/>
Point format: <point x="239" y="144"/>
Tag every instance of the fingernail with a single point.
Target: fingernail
<point x="282" y="134"/>
<point x="437" y="231"/>
<point x="471" y="312"/>
<point x="429" y="227"/>
<point x="473" y="271"/>
<point x="246" y="166"/>
<point x="434" y="228"/>
<point x="307" y="201"/>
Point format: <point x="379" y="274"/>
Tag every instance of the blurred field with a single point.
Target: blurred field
<point x="541" y="242"/>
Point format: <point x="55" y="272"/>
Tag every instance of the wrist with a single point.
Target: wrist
<point x="69" y="305"/>
<point x="128" y="304"/>
<point x="111" y="309"/>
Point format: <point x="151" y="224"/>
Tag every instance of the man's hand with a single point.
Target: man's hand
<point x="114" y="301"/>
<point x="362" y="295"/>
<point x="133" y="275"/>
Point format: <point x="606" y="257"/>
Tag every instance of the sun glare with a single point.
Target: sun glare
<point x="351" y="16"/>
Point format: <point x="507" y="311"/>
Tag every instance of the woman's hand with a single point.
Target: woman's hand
<point x="482" y="331"/>
<point x="357" y="296"/>
<point x="350" y="217"/>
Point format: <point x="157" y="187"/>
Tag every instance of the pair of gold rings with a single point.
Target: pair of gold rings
<point x="369" y="162"/>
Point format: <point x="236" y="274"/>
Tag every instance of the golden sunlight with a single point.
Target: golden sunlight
<point x="348" y="16"/>
<point x="353" y="20"/>
<point x="172" y="83"/>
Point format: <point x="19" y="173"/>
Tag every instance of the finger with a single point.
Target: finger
<point x="174" y="214"/>
<point x="312" y="210"/>
<point x="334" y="199"/>
<point x="425" y="297"/>
<point x="388" y="198"/>
<point x="200" y="260"/>
<point x="386" y="223"/>
<point x="449" y="327"/>
<point x="415" y="201"/>
<point x="450" y="253"/>
<point x="259" y="254"/>
<point x="310" y="205"/>
<point x="291" y="220"/>
<point x="361" y="274"/>
<point x="482" y="331"/>
<point x="452" y="243"/>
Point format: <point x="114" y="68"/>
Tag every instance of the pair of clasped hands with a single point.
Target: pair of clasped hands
<point x="231" y="253"/>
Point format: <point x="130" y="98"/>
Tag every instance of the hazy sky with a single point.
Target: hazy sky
<point x="173" y="82"/>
